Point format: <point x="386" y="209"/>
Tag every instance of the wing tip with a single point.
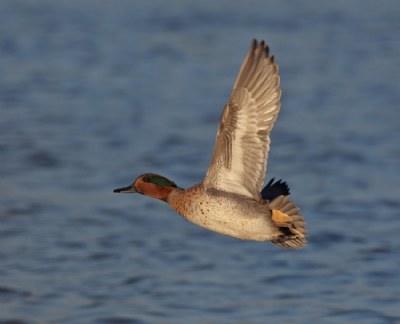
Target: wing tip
<point x="263" y="47"/>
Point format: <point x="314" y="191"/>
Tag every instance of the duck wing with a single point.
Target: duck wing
<point x="239" y="161"/>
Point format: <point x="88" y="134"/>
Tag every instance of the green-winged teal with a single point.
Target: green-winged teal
<point x="229" y="200"/>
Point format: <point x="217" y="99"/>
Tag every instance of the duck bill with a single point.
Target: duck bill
<point x="129" y="189"/>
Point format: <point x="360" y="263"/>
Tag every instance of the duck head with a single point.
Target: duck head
<point x="150" y="184"/>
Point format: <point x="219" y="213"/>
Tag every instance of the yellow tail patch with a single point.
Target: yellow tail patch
<point x="280" y="218"/>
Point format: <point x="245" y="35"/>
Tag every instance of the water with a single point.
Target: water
<point x="94" y="93"/>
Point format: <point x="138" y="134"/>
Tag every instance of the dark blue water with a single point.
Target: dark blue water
<point x="93" y="93"/>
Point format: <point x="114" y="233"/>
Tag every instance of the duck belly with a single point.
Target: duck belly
<point x="229" y="214"/>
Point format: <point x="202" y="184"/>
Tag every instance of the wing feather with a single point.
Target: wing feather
<point x="239" y="161"/>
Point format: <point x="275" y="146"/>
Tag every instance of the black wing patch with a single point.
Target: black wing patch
<point x="275" y="189"/>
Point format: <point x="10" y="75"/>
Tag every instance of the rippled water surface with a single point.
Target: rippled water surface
<point x="93" y="93"/>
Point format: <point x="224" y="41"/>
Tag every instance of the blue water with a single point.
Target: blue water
<point x="94" y="93"/>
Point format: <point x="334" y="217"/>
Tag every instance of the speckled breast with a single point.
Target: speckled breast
<point x="225" y="213"/>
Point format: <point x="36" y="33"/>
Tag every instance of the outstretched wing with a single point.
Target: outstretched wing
<point x="240" y="154"/>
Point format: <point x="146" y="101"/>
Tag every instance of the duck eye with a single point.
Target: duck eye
<point x="146" y="179"/>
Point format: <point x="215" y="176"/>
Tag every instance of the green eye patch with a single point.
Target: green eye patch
<point x="161" y="181"/>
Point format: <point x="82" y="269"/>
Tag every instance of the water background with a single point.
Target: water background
<point x="94" y="93"/>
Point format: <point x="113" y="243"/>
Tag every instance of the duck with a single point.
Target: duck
<point x="231" y="199"/>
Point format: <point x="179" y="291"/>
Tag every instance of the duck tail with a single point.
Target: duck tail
<point x="286" y="216"/>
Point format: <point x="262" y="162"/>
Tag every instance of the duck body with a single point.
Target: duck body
<point x="225" y="213"/>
